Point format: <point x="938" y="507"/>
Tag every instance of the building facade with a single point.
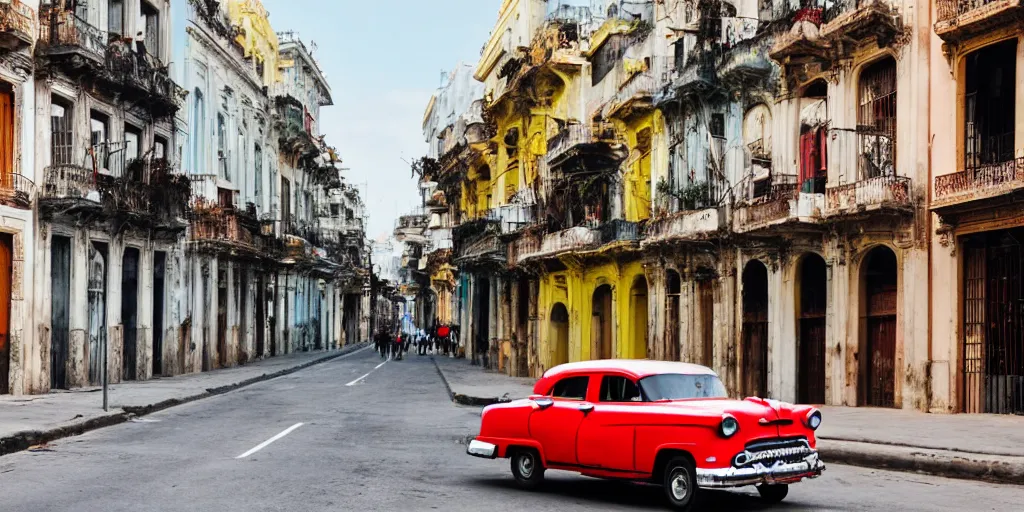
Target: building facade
<point x="815" y="199"/>
<point x="147" y="199"/>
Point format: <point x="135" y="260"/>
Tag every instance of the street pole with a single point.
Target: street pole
<point x="105" y="377"/>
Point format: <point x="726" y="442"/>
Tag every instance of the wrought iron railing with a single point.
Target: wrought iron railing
<point x="768" y="202"/>
<point x="18" y="19"/>
<point x="619" y="230"/>
<point x="981" y="179"/>
<point x="16" y="190"/>
<point x="61" y="28"/>
<point x="223" y="227"/>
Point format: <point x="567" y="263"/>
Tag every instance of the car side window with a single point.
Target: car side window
<point x="572" y="388"/>
<point x="619" y="389"/>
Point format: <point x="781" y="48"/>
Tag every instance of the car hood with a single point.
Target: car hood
<point x="754" y="408"/>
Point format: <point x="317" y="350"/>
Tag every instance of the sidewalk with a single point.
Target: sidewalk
<point x="975" y="446"/>
<point x="31" y="420"/>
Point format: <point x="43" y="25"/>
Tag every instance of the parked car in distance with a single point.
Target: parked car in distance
<point x="667" y="423"/>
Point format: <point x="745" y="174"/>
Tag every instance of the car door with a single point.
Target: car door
<point x="554" y="425"/>
<point x="606" y="437"/>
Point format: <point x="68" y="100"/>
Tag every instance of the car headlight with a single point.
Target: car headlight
<point x="729" y="426"/>
<point x="813" y="419"/>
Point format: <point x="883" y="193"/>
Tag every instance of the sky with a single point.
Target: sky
<point x="384" y="59"/>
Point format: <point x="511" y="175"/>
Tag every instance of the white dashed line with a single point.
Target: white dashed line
<point x="360" y="379"/>
<point x="266" y="443"/>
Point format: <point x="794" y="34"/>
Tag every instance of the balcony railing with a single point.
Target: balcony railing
<point x="223" y="227"/>
<point x="892" y="191"/>
<point x="526" y="245"/>
<point x="61" y="31"/>
<point x="144" y="73"/>
<point x="799" y="43"/>
<point x="17" y="24"/>
<point x="858" y="19"/>
<point x="567" y="240"/>
<point x="16" y="190"/>
<point x="619" y="230"/>
<point x="568" y="138"/>
<point x="958" y="19"/>
<point x="747" y="61"/>
<point x="68" y="181"/>
<point x="635" y="95"/>
<point x="980" y="182"/>
<point x="685" y="225"/>
<point x="512" y="217"/>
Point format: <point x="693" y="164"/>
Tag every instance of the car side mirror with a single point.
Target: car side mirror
<point x="543" y="402"/>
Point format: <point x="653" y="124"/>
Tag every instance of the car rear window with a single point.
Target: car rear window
<point x="675" y="386"/>
<point x="574" y="388"/>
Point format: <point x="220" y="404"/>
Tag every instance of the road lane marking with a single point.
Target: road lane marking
<point x="266" y="443"/>
<point x="360" y="379"/>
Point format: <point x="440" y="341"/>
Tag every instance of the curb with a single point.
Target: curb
<point x="474" y="401"/>
<point x="998" y="469"/>
<point x="23" y="440"/>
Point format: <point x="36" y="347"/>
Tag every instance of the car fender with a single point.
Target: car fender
<point x="504" y="444"/>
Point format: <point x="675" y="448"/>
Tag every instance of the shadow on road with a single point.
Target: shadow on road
<point x="629" y="494"/>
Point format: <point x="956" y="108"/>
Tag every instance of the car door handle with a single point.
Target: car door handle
<point x="586" y="408"/>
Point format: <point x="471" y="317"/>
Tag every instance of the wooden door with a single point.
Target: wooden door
<point x="755" y="330"/>
<point x="130" y="313"/>
<point x="813" y="307"/>
<point x="159" y="268"/>
<point x="60" y="310"/>
<point x="706" y="299"/>
<point x="97" y="308"/>
<point x="881" y="291"/>
<point x="6" y="251"/>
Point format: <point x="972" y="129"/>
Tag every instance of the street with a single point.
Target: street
<point x="359" y="435"/>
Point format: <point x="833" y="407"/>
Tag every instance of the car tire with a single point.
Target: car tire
<point x="772" y="494"/>
<point x="680" y="483"/>
<point x="527" y="468"/>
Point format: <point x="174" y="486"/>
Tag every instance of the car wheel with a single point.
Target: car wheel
<point x="773" y="494"/>
<point x="680" y="483"/>
<point x="527" y="468"/>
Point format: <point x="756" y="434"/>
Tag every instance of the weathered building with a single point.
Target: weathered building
<point x="976" y="157"/>
<point x="231" y="159"/>
<point x="734" y="183"/>
<point x="24" y="351"/>
<point x="111" y="203"/>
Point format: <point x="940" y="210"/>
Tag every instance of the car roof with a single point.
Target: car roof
<point x="634" y="367"/>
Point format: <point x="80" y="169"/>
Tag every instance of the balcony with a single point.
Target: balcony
<point x="294" y="127"/>
<point x="141" y="77"/>
<point x="869" y="194"/>
<point x="482" y="251"/>
<point x="689" y="225"/>
<point x="62" y="33"/>
<point x="697" y="74"/>
<point x="560" y="242"/>
<point x="958" y="20"/>
<point x="512" y="217"/>
<point x="221" y="230"/>
<point x="635" y="97"/>
<point x="805" y="43"/>
<point x="411" y="227"/>
<point x="16" y="191"/>
<point x="68" y="186"/>
<point x="858" y="20"/>
<point x="17" y="25"/>
<point x="980" y="183"/>
<point x="619" y="231"/>
<point x="746" y="62"/>
<point x="600" y="146"/>
<point x="521" y="248"/>
<point x="877" y="186"/>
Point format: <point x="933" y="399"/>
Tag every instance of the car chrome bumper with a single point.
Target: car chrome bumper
<point x="778" y="473"/>
<point x="482" y="449"/>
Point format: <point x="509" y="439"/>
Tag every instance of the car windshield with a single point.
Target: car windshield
<point x="675" y="386"/>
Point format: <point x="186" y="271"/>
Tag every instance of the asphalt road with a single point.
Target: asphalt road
<point x="390" y="441"/>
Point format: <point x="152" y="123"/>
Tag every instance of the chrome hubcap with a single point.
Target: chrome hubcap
<point x="680" y="484"/>
<point x="526" y="465"/>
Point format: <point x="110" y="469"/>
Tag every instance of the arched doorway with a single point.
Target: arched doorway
<point x="673" y="286"/>
<point x="638" y="312"/>
<point x="755" y="329"/>
<point x="879" y="351"/>
<point x="812" y="297"/>
<point x="601" y="323"/>
<point x="559" y="334"/>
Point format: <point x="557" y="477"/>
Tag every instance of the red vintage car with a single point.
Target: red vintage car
<point x="667" y="423"/>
